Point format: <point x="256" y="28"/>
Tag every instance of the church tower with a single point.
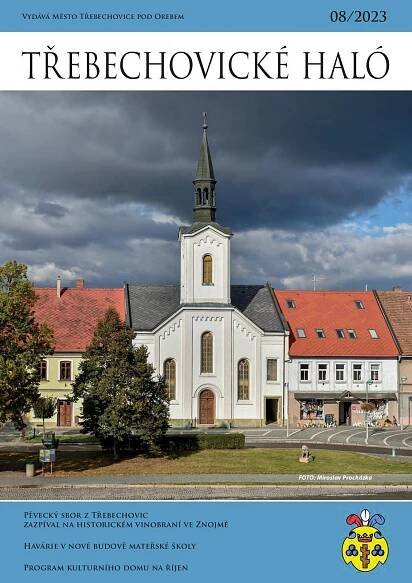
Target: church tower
<point x="205" y="245"/>
<point x="204" y="183"/>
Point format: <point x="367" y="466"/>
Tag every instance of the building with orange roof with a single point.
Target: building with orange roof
<point x="397" y="306"/>
<point x="72" y="313"/>
<point x="342" y="353"/>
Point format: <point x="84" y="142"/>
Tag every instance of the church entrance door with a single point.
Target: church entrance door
<point x="207" y="407"/>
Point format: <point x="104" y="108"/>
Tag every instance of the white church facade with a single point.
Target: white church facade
<point x="222" y="348"/>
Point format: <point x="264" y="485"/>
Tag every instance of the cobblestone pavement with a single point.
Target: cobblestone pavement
<point x="212" y="492"/>
<point x="308" y="476"/>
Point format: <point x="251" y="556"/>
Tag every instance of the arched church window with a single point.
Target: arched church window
<point x="206" y="357"/>
<point x="198" y="197"/>
<point x="206" y="194"/>
<point x="243" y="380"/>
<point x="169" y="374"/>
<point x="207" y="278"/>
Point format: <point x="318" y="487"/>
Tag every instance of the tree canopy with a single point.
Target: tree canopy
<point x="23" y="344"/>
<point x="123" y="401"/>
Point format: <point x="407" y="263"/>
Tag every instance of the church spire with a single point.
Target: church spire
<point x="205" y="204"/>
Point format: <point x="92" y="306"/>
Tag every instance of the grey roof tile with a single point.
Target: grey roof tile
<point x="198" y="226"/>
<point x="256" y="302"/>
<point x="148" y="305"/>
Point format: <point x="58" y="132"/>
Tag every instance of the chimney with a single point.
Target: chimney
<point x="80" y="283"/>
<point x="396" y="288"/>
<point x="59" y="286"/>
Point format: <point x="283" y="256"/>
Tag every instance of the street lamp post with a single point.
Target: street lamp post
<point x="286" y="396"/>
<point x="403" y="380"/>
<point x="287" y="417"/>
<point x="369" y="382"/>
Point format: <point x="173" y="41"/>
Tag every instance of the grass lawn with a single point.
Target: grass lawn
<point x="246" y="461"/>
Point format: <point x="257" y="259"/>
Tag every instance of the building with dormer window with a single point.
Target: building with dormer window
<point x="221" y="347"/>
<point x="342" y="353"/>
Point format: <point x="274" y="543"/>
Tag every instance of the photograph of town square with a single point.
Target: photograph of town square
<point x="229" y="322"/>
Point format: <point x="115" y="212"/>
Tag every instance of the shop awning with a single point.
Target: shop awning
<point x="346" y="396"/>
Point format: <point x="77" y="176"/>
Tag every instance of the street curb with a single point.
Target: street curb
<point x="302" y="487"/>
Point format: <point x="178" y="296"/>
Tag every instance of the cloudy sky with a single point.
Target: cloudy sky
<point x="95" y="185"/>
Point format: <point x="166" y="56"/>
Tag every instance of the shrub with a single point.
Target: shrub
<point x="199" y="441"/>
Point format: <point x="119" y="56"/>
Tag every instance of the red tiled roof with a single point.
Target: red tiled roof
<point x="398" y="308"/>
<point x="73" y="317"/>
<point x="331" y="310"/>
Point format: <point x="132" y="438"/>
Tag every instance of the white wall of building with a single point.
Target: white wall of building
<point x="388" y="376"/>
<point x="208" y="241"/>
<point x="235" y="338"/>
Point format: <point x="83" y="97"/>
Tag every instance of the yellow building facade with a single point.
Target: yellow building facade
<point x="58" y="372"/>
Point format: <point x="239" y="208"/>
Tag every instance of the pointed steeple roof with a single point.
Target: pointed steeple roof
<point x="204" y="165"/>
<point x="205" y="194"/>
<point x="205" y="182"/>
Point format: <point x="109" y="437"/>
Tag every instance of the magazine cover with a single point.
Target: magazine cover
<point x="205" y="290"/>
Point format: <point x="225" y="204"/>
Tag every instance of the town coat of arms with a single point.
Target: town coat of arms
<point x="365" y="546"/>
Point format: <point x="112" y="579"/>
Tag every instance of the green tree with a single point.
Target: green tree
<point x="123" y="402"/>
<point x="44" y="408"/>
<point x="23" y="344"/>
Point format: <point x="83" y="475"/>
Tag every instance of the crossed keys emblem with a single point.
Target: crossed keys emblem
<point x="365" y="546"/>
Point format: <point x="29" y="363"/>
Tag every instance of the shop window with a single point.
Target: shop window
<point x="304" y="372"/>
<point x="380" y="413"/>
<point x="311" y="409"/>
<point x="272" y="369"/>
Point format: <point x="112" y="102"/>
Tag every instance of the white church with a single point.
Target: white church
<point x="222" y="348"/>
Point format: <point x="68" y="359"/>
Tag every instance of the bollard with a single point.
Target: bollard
<point x="29" y="470"/>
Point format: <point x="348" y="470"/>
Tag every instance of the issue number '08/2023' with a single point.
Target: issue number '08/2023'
<point x="374" y="16"/>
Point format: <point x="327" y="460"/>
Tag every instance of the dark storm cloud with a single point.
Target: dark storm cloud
<point x="96" y="183"/>
<point x="295" y="158"/>
<point x="50" y="209"/>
